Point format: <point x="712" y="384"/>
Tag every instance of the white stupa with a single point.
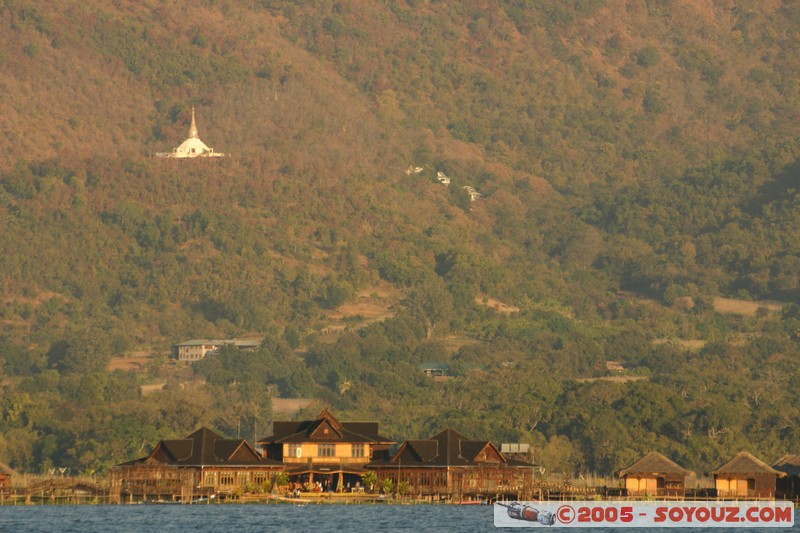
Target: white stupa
<point x="191" y="147"/>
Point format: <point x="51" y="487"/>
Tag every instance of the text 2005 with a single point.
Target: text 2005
<point x="604" y="514"/>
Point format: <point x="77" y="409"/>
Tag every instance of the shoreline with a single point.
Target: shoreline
<point x="330" y="499"/>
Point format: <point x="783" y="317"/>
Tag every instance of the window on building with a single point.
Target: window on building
<point x="294" y="450"/>
<point x="326" y="450"/>
<point x="357" y="450"/>
<point x="226" y="478"/>
<point x="425" y="479"/>
<point x="260" y="478"/>
<point x="210" y="479"/>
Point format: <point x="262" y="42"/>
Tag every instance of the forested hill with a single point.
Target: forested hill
<point x="638" y="163"/>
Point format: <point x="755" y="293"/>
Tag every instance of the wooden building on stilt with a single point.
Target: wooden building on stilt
<point x="746" y="476"/>
<point x="453" y="466"/>
<point x="787" y="487"/>
<point x="325" y="454"/>
<point x="655" y="475"/>
<point x="200" y="466"/>
<point x="5" y="478"/>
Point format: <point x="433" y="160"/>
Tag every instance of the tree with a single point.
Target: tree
<point x="387" y="485"/>
<point x="431" y="302"/>
<point x="369" y="480"/>
<point x="82" y="351"/>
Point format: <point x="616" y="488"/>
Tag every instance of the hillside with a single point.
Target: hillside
<point x="637" y="159"/>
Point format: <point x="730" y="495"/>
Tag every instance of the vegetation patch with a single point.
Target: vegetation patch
<point x="745" y="307"/>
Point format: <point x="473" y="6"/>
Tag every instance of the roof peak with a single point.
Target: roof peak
<point x="202" y="431"/>
<point x="326" y="415"/>
<point x="449" y="433"/>
<point x="655" y="461"/>
<point x="746" y="462"/>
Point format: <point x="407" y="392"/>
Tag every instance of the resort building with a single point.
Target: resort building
<point x="435" y="369"/>
<point x="5" y="478"/>
<point x="655" y="475"/>
<point x="325" y="454"/>
<point x="452" y="465"/>
<point x="191" y="147"/>
<point x="787" y="487"/>
<point x="746" y="476"/>
<point x="196" y="349"/>
<point x="202" y="465"/>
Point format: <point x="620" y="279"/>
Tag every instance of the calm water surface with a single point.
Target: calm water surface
<point x="268" y="518"/>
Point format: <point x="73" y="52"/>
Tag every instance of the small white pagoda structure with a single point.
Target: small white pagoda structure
<point x="191" y="147"/>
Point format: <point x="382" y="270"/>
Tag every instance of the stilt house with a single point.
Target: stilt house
<point x="746" y="476"/>
<point x="655" y="475"/>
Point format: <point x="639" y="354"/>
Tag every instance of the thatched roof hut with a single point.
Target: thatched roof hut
<point x="655" y="475"/>
<point x="746" y="476"/>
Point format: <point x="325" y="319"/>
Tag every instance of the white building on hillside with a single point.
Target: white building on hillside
<point x="191" y="147"/>
<point x="473" y="193"/>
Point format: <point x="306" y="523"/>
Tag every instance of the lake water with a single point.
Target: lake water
<point x="264" y="518"/>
